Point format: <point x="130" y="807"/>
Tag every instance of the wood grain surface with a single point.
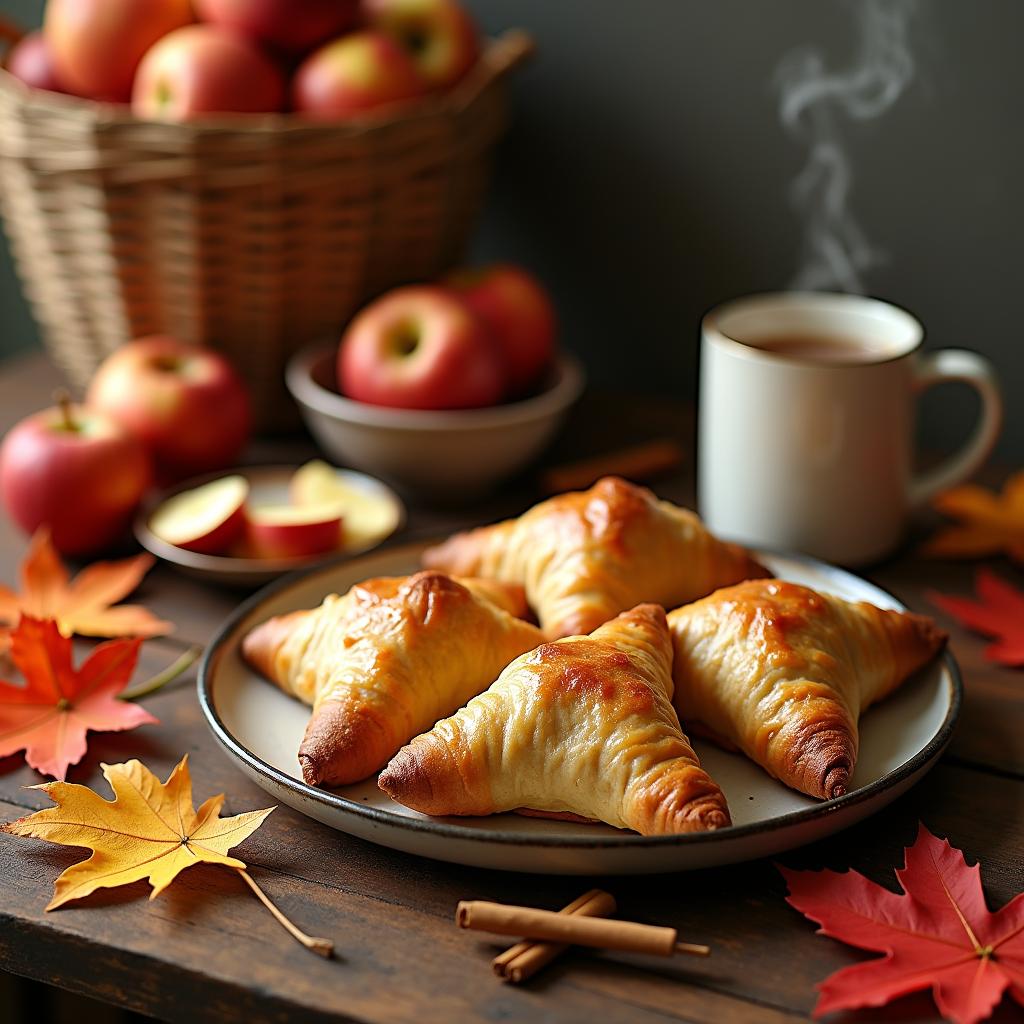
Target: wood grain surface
<point x="207" y="951"/>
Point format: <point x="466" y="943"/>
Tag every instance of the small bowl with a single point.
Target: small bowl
<point x="447" y="454"/>
<point x="269" y="485"/>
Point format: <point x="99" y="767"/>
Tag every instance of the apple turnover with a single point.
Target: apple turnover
<point x="386" y="661"/>
<point x="783" y="673"/>
<point x="584" y="557"/>
<point x="581" y="727"/>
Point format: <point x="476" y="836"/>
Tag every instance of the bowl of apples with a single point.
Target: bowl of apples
<point x="444" y="390"/>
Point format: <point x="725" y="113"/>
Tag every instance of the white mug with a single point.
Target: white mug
<point x="813" y="452"/>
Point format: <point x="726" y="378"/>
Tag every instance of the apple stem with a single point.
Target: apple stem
<point x="63" y="400"/>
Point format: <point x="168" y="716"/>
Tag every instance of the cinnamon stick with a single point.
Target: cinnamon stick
<point x="639" y="462"/>
<point x="525" y="959"/>
<point x="573" y="929"/>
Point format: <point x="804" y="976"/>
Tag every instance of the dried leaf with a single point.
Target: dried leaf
<point x="81" y="605"/>
<point x="990" y="523"/>
<point x="49" y="716"/>
<point x="938" y="934"/>
<point x="149" y="830"/>
<point x="999" y="614"/>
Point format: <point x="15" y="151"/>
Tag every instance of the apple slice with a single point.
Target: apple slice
<point x="206" y="519"/>
<point x="367" y="517"/>
<point x="294" y="531"/>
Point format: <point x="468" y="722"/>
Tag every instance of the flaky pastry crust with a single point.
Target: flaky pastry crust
<point x="580" y="727"/>
<point x="385" y="661"/>
<point x="783" y="673"/>
<point x="583" y="557"/>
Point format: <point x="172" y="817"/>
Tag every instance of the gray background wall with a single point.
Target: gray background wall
<point x="646" y="178"/>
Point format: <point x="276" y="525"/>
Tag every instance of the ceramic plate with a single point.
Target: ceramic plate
<point x="268" y="486"/>
<point x="261" y="728"/>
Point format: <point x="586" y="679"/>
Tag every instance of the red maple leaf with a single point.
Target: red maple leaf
<point x="49" y="716"/>
<point x="999" y="614"/>
<point x="938" y="934"/>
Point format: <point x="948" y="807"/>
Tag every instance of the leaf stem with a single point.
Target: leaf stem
<point x="171" y="641"/>
<point x="168" y="675"/>
<point x="322" y="947"/>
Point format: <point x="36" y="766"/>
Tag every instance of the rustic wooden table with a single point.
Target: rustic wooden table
<point x="207" y="951"/>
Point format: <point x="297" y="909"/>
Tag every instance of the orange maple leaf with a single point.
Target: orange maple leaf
<point x="989" y="523"/>
<point x="82" y="605"/>
<point x="49" y="716"/>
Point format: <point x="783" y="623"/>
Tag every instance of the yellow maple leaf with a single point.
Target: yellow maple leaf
<point x="989" y="523"/>
<point x="81" y="605"/>
<point x="149" y="830"/>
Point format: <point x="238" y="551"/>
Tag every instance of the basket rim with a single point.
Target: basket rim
<point x="500" y="55"/>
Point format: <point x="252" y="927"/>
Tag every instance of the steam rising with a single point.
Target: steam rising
<point x="813" y="103"/>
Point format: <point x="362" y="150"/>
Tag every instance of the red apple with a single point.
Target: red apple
<point x="207" y="519"/>
<point x="420" y="348"/>
<point x="30" y="61"/>
<point x="517" y="309"/>
<point x="438" y="34"/>
<point x="358" y="72"/>
<point x="291" y="531"/>
<point x="202" y="69"/>
<point x="97" y="44"/>
<point x="184" y="402"/>
<point x="76" y="471"/>
<point x="295" y="26"/>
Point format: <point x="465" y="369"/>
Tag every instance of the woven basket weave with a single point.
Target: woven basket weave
<point x="252" y="235"/>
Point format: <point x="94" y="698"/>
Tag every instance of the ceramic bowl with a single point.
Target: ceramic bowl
<point x="443" y="454"/>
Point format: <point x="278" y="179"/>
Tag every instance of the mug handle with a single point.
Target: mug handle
<point x="957" y="364"/>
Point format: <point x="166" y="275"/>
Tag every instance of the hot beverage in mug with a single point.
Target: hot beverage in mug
<point x="806" y="422"/>
<point x="819" y="348"/>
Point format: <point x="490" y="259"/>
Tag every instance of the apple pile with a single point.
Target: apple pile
<point x="324" y="59"/>
<point x="156" y="410"/>
<point x="477" y="338"/>
<point x="323" y="514"/>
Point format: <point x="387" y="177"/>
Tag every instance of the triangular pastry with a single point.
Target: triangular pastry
<point x="385" y="662"/>
<point x="580" y="727"/>
<point x="784" y="673"/>
<point x="584" y="557"/>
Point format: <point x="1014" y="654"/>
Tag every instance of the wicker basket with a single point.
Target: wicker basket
<point x="253" y="235"/>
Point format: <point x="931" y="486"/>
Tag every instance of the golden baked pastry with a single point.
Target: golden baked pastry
<point x="582" y="727"/>
<point x="584" y="557"/>
<point x="783" y="673"/>
<point x="386" y="661"/>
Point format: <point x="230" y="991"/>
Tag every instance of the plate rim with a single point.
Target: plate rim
<point x="219" y="643"/>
